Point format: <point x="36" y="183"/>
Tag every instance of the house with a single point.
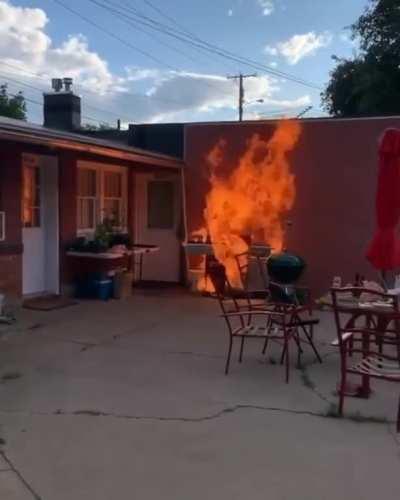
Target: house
<point x="335" y="166"/>
<point x="56" y="185"/>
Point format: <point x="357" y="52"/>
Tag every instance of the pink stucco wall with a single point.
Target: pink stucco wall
<point x="335" y="164"/>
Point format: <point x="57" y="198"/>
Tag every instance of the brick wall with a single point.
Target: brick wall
<point x="10" y="202"/>
<point x="67" y="164"/>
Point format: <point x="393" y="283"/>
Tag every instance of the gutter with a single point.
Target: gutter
<point x="107" y="151"/>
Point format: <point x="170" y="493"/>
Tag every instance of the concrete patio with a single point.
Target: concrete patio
<point x="128" y="399"/>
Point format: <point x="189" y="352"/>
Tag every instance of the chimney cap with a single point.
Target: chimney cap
<point x="56" y="84"/>
<point x="62" y="85"/>
<point x="68" y="84"/>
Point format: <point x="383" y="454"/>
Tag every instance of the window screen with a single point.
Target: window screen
<point x="160" y="205"/>
<point x="87" y="198"/>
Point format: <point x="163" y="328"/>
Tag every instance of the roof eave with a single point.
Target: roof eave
<point x="116" y="153"/>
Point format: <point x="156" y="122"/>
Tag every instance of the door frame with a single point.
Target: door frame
<point x="49" y="208"/>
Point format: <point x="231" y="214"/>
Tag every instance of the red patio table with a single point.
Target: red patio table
<point x="378" y="315"/>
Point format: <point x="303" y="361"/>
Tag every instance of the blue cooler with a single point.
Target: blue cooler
<point x="103" y="289"/>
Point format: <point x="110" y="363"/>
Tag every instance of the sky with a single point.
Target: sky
<point x="141" y="60"/>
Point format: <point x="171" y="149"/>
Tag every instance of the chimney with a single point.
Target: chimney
<point x="62" y="108"/>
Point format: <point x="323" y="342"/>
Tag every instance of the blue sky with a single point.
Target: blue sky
<point x="40" y="39"/>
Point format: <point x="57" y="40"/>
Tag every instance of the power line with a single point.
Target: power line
<point x="127" y="19"/>
<point x="8" y="78"/>
<point x="32" y="101"/>
<point x="113" y="35"/>
<point x="180" y="26"/>
<point x="197" y="42"/>
<point x="124" y="93"/>
<point x="125" y="42"/>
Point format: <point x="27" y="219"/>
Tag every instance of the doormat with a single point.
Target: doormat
<point x="48" y="303"/>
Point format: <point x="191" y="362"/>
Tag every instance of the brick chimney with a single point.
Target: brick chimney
<point x="62" y="108"/>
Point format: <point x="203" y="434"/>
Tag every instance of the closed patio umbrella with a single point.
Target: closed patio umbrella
<point x="384" y="250"/>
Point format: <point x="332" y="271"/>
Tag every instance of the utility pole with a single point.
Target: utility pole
<point x="241" y="79"/>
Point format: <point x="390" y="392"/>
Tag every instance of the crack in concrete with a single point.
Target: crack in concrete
<point x="34" y="494"/>
<point x="205" y="418"/>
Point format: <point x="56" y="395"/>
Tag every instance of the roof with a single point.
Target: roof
<point x="332" y="119"/>
<point x="29" y="133"/>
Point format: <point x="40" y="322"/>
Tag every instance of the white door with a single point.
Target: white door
<point x="40" y="265"/>
<point x="158" y="222"/>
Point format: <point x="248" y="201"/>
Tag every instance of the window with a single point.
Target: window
<point x="31" y="197"/>
<point x="113" y="203"/>
<point x="160" y="205"/>
<point x="87" y="199"/>
<point x="102" y="194"/>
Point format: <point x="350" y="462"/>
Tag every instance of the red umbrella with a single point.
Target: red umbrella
<point x="384" y="250"/>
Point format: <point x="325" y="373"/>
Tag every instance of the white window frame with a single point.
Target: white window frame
<point x="2" y="226"/>
<point x="88" y="230"/>
<point x="99" y="203"/>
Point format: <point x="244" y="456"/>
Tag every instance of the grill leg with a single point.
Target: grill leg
<point x="310" y="335"/>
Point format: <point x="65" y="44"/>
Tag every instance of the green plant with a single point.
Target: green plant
<point x="121" y="239"/>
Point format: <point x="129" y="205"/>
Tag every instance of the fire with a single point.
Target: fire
<point x="252" y="201"/>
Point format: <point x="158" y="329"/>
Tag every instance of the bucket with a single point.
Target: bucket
<point x="103" y="289"/>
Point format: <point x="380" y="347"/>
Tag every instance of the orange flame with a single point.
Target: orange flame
<point x="253" y="199"/>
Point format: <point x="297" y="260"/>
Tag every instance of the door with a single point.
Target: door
<point x="158" y="222"/>
<point x="40" y="265"/>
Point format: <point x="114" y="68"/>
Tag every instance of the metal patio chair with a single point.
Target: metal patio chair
<point x="375" y="359"/>
<point x="244" y="321"/>
<point x="258" y="296"/>
<point x="297" y="302"/>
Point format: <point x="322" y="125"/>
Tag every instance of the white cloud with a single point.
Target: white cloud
<point x="273" y="64"/>
<point x="300" y="46"/>
<point x="272" y="51"/>
<point x="267" y="7"/>
<point x="137" y="94"/>
<point x="345" y="37"/>
<point x="230" y="12"/>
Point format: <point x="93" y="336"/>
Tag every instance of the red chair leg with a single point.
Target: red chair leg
<point x="398" y="418"/>
<point x="266" y="345"/>
<point x="287" y="340"/>
<point x="228" y="360"/>
<point x="342" y="391"/>
<point x="241" y="350"/>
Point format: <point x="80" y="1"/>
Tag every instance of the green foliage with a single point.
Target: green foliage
<point x="12" y="106"/>
<point x="369" y="83"/>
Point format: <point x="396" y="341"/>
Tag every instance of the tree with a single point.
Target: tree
<point x="369" y="83"/>
<point x="13" y="106"/>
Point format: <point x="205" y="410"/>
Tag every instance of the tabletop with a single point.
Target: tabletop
<point x="354" y="305"/>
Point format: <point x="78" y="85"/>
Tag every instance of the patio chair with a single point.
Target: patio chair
<point x="373" y="360"/>
<point x="258" y="296"/>
<point x="244" y="321"/>
<point x="296" y="302"/>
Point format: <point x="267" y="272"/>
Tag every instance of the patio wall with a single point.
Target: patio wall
<point x="10" y="196"/>
<point x="335" y="164"/>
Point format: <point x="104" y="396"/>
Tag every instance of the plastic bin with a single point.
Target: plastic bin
<point x="103" y="289"/>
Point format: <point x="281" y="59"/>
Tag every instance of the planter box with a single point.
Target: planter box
<point x="83" y="264"/>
